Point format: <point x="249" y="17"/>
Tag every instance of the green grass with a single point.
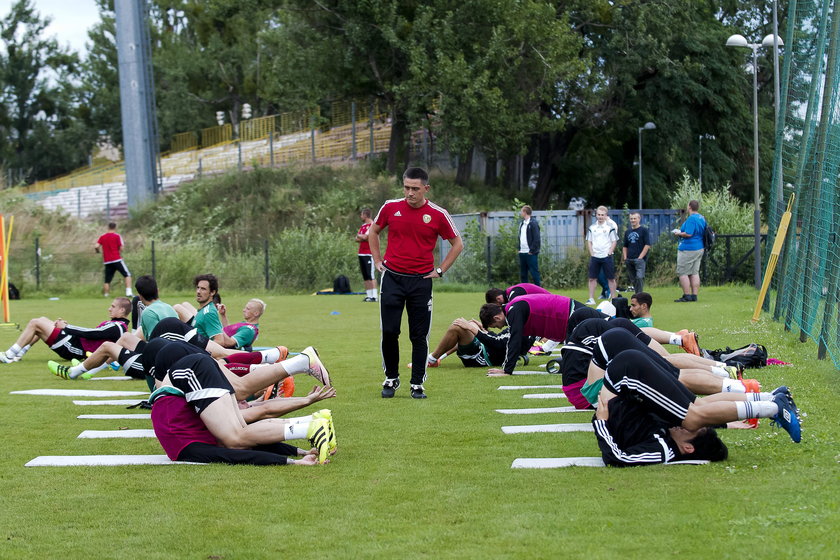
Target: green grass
<point x="422" y="478"/>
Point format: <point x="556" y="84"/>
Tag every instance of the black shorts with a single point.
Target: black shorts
<point x="634" y="373"/>
<point x="201" y="380"/>
<point x="617" y="340"/>
<point x="113" y="267"/>
<point x="366" y="266"/>
<point x="173" y="328"/>
<point x="474" y="354"/>
<point x="606" y="264"/>
<point x="67" y="346"/>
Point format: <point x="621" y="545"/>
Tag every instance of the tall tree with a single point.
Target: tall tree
<point x="42" y="132"/>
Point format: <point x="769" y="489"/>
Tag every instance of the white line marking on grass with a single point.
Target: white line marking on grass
<point x="541" y="410"/>
<point x="530" y="373"/>
<point x="112" y="378"/>
<point x="116" y="402"/>
<point x="559" y="462"/>
<point x="102" y="460"/>
<point x="545" y="396"/>
<point x="518" y="387"/>
<point x="79" y="393"/>
<point x="114" y="416"/>
<point x="550" y="428"/>
<point x="107" y="434"/>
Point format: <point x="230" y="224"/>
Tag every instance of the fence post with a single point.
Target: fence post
<point x="488" y="252"/>
<point x="108" y="203"/>
<point x="312" y="136"/>
<point x="199" y="168"/>
<point x="353" y="129"/>
<point x="154" y="263"/>
<point x="37" y="263"/>
<point x="271" y="149"/>
<point x="79" y="203"/>
<point x="371" y="127"/>
<point x="265" y="252"/>
<point x="239" y="155"/>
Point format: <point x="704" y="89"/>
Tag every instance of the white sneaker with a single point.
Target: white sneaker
<point x="590" y="301"/>
<point x="316" y="367"/>
<point x="5" y="359"/>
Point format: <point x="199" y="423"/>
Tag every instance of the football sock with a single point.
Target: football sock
<point x="675" y="339"/>
<point x="295" y="431"/>
<point x="270" y="356"/>
<point x="759" y="409"/>
<point x="296" y="364"/>
<point x="759" y="396"/>
<point x="550" y="345"/>
<point x="720" y="372"/>
<point x="732" y="386"/>
<point x="13" y="351"/>
<point x="76" y="371"/>
<point x="373" y="293"/>
<point x="431" y="359"/>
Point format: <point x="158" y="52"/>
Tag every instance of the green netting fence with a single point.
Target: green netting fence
<point x="807" y="164"/>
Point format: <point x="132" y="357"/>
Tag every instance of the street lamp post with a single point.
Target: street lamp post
<point x="700" y="162"/>
<point x="768" y="41"/>
<point x="648" y="126"/>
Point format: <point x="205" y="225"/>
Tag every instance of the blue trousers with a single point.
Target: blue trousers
<point x="528" y="263"/>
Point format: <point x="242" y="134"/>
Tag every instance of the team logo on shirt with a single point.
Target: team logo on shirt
<point x="426" y="218"/>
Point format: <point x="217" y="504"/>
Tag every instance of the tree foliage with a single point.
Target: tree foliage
<point x="42" y="126"/>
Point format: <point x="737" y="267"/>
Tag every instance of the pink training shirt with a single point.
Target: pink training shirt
<point x="413" y="234"/>
<point x="548" y="317"/>
<point x="177" y="424"/>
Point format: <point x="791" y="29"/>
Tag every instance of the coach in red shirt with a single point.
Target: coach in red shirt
<point x="408" y="268"/>
<point x="109" y="244"/>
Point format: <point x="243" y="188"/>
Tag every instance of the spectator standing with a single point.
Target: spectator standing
<point x="635" y="251"/>
<point x="601" y="239"/>
<point x="365" y="258"/>
<point x="109" y="244"/>
<point x="408" y="268"/>
<point x="529" y="247"/>
<point x="690" y="251"/>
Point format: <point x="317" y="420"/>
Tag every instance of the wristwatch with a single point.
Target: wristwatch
<point x="439" y="271"/>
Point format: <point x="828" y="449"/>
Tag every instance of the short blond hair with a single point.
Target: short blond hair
<point x="261" y="303"/>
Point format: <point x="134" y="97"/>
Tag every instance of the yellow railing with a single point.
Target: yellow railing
<point x="184" y="141"/>
<point x="330" y="144"/>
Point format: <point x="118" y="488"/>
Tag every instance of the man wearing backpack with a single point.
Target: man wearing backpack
<point x="690" y="251"/>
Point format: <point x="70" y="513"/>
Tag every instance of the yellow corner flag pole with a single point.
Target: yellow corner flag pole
<point x="4" y="268"/>
<point x="774" y="257"/>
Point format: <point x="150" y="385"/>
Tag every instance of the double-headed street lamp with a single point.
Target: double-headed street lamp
<point x="648" y="126"/>
<point x="700" y="163"/>
<point x="768" y="41"/>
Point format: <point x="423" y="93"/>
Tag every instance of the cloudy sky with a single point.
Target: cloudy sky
<point x="70" y="19"/>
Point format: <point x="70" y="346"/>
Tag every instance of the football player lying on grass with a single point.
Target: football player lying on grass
<point x="130" y="345"/>
<point x="588" y="343"/>
<point x="646" y="416"/>
<point x="69" y="341"/>
<point x="195" y="383"/>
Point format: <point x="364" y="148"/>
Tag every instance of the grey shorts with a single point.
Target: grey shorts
<point x="688" y="262"/>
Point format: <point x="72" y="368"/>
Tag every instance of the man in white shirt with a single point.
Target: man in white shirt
<point x="601" y="239"/>
<point x="529" y="247"/>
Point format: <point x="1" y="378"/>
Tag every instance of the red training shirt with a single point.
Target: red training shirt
<point x="364" y="246"/>
<point x="413" y="234"/>
<point x="111" y="243"/>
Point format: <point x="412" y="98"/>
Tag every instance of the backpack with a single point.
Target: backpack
<point x="708" y="237"/>
<point x="341" y="285"/>
<point x="14" y="293"/>
<point x="749" y="356"/>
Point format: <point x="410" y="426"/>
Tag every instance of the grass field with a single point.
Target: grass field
<point x="422" y="478"/>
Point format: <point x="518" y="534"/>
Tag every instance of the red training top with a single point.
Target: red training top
<point x="177" y="424"/>
<point x="364" y="246"/>
<point x="111" y="243"/>
<point x="413" y="234"/>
